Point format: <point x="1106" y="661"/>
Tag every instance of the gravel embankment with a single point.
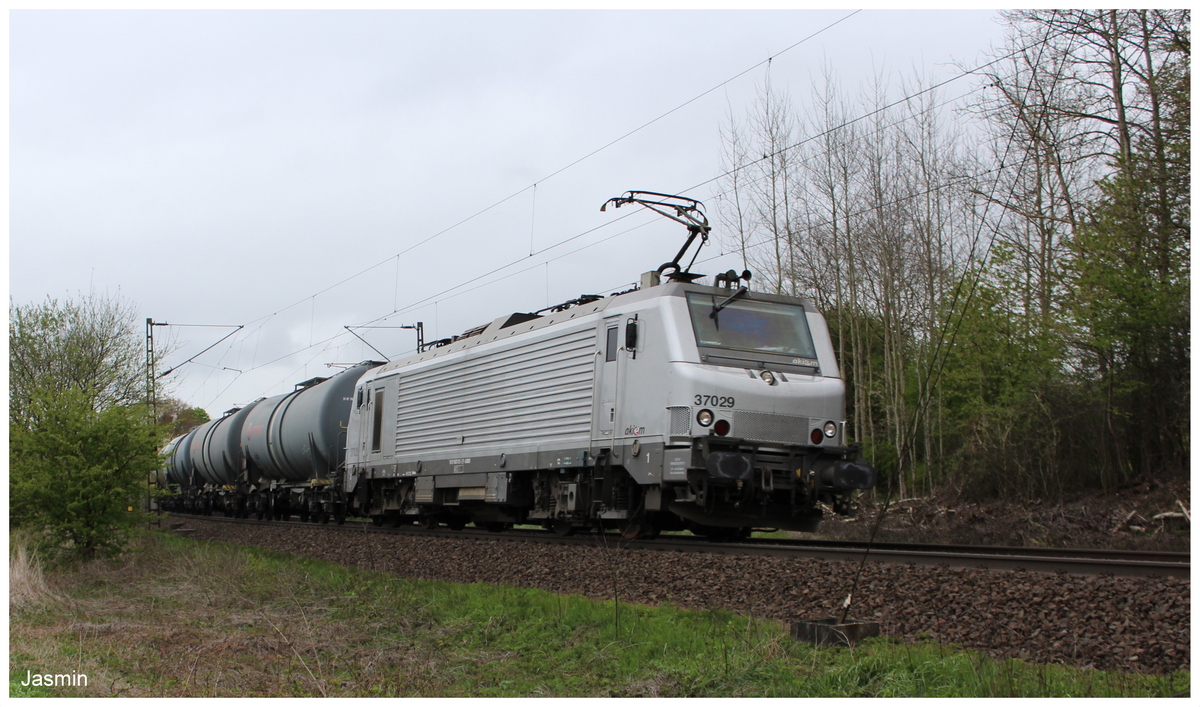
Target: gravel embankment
<point x="1109" y="623"/>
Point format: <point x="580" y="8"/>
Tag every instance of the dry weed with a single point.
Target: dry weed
<point x="27" y="586"/>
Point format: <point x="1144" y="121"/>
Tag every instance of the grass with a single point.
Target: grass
<point x="177" y="617"/>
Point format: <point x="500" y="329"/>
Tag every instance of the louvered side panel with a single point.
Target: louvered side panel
<point x="538" y="392"/>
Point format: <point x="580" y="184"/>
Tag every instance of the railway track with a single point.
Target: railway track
<point x="1121" y="563"/>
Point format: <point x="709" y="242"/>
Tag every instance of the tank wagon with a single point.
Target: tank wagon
<point x="294" y="447"/>
<point x="674" y="405"/>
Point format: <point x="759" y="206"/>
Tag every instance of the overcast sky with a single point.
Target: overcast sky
<point x="266" y="168"/>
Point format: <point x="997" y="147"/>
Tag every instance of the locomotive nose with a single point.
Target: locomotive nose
<point x="848" y="475"/>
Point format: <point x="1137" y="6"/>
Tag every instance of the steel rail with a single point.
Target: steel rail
<point x="1121" y="563"/>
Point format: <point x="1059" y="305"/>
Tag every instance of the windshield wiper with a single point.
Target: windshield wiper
<point x="718" y="307"/>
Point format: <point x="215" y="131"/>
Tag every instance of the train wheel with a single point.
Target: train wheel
<point x="322" y="517"/>
<point x="377" y="521"/>
<point x="562" y="528"/>
<point x="456" y="523"/>
<point x="495" y="527"/>
<point x="639" y="529"/>
<point x="427" y="523"/>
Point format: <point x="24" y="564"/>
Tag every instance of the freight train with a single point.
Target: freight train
<point x="673" y="405"/>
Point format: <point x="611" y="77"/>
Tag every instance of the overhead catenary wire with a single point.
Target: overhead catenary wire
<point x="435" y="297"/>
<point x="193" y="358"/>
<point x="784" y="149"/>
<point x="560" y="170"/>
<point x="457" y="290"/>
<point x="766" y="61"/>
<point x="398" y="309"/>
<point x="443" y="294"/>
<point x="446" y="291"/>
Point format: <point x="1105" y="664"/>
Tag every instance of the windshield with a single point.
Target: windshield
<point x="747" y="325"/>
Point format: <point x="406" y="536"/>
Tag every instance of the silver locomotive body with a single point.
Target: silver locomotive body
<point x="672" y="406"/>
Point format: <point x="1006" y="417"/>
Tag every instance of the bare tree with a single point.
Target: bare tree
<point x="91" y="344"/>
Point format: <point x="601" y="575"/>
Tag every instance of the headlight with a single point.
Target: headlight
<point x="704" y="417"/>
<point x="830" y="429"/>
<point x="768" y="377"/>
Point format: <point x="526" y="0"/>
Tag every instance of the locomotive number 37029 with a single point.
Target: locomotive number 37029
<point x="720" y="401"/>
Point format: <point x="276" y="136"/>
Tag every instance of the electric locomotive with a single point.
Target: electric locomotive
<point x="674" y="405"/>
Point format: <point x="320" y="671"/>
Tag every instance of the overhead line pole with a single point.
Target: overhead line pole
<point x="151" y="398"/>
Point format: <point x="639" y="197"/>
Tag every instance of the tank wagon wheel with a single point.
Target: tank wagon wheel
<point x="495" y="527"/>
<point x="340" y="517"/>
<point x="322" y="517"/>
<point x="639" y="530"/>
<point x="562" y="527"/>
<point x="456" y="523"/>
<point x="377" y="520"/>
<point x="424" y="523"/>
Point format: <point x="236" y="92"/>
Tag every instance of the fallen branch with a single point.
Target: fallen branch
<point x="1125" y="523"/>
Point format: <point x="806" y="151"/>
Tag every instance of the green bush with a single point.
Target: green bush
<point x="78" y="473"/>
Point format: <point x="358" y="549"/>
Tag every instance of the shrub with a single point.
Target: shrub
<point x="76" y="472"/>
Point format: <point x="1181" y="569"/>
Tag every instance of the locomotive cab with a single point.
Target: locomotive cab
<point x="750" y="429"/>
<point x="759" y="414"/>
